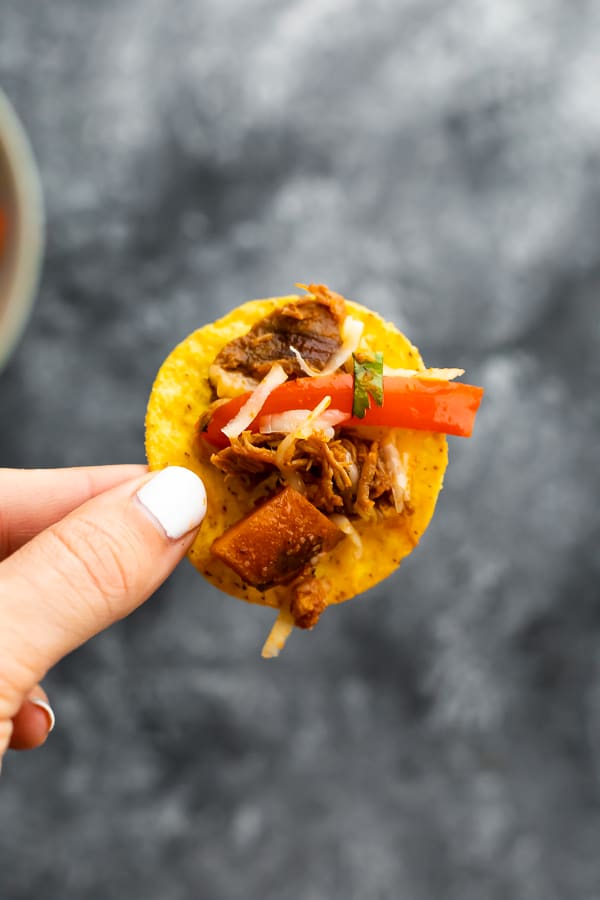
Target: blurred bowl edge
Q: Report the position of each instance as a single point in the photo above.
(30, 247)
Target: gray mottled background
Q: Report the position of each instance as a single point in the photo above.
(439, 162)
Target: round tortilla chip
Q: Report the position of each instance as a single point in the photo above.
(181, 393)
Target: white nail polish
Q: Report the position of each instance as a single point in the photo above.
(176, 499)
(47, 709)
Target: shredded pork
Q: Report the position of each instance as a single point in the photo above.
(309, 599)
(323, 469)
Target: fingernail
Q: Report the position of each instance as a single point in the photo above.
(47, 709)
(176, 499)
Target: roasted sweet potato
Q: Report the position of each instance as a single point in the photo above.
(272, 544)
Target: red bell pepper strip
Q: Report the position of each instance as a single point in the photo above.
(427, 404)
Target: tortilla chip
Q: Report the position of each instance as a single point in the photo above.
(181, 392)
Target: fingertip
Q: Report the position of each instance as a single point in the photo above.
(45, 706)
(175, 500)
(32, 725)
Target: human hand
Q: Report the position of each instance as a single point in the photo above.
(79, 549)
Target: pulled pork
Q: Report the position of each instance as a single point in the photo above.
(323, 472)
(309, 599)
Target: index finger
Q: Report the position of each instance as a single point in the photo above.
(33, 499)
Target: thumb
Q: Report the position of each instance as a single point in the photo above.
(90, 569)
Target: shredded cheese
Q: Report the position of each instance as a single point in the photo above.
(439, 374)
(398, 472)
(351, 332)
(308, 370)
(253, 405)
(304, 430)
(345, 525)
(292, 419)
(280, 632)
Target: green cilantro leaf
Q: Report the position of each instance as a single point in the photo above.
(368, 382)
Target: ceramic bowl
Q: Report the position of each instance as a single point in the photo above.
(21, 229)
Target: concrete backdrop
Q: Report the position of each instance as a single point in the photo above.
(440, 737)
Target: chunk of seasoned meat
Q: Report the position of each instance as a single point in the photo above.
(364, 504)
(245, 456)
(322, 489)
(309, 599)
(310, 325)
(274, 542)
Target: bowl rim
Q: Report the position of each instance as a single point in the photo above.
(30, 246)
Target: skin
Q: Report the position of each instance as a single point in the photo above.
(77, 552)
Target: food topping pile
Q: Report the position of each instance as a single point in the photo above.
(305, 420)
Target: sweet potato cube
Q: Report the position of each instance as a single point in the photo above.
(274, 542)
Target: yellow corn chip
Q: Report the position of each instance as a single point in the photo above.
(181, 393)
